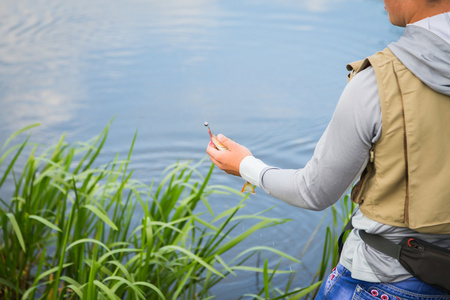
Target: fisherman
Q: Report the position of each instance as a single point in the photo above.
(391, 132)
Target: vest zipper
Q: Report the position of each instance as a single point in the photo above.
(405, 153)
(358, 188)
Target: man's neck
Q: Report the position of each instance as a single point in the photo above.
(427, 11)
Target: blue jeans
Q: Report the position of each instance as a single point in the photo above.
(341, 286)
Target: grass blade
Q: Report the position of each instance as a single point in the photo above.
(266, 280)
(16, 230)
(45, 222)
(101, 215)
(154, 288)
(193, 256)
(18, 132)
(106, 290)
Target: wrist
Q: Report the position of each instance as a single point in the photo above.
(250, 169)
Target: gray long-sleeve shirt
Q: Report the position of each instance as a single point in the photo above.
(339, 158)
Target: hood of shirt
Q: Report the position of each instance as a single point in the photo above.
(426, 55)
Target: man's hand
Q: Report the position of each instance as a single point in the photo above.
(230, 160)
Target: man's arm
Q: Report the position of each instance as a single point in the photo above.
(340, 155)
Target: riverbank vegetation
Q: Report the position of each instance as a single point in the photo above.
(70, 229)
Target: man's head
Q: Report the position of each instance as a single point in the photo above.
(403, 12)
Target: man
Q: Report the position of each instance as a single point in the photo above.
(390, 129)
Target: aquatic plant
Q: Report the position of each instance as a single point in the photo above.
(330, 253)
(74, 230)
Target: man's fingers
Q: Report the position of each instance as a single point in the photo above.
(210, 149)
(228, 161)
(213, 160)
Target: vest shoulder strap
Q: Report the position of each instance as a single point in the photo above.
(356, 67)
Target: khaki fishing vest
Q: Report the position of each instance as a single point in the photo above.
(407, 180)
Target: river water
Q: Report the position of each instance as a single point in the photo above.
(266, 73)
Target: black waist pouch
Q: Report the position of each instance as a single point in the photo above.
(423, 260)
(428, 262)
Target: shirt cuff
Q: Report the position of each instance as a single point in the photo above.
(250, 169)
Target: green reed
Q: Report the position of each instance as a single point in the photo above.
(75, 230)
(330, 253)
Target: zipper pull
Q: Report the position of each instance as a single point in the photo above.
(415, 244)
(371, 155)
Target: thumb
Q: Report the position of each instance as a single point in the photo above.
(227, 142)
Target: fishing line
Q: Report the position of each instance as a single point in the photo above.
(200, 108)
